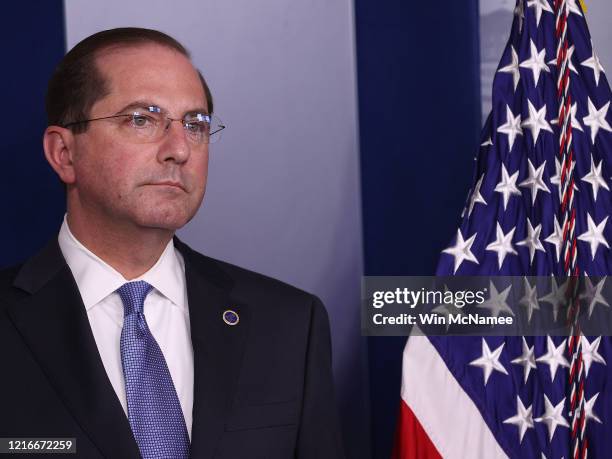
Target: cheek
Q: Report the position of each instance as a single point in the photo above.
(104, 170)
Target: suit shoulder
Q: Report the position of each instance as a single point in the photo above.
(7, 290)
(250, 284)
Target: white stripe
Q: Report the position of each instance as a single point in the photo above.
(446, 413)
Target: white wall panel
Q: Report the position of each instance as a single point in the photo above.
(283, 194)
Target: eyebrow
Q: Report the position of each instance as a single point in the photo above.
(144, 104)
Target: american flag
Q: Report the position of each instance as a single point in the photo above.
(509, 396)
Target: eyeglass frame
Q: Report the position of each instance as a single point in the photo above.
(154, 109)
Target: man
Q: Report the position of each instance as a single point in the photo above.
(118, 334)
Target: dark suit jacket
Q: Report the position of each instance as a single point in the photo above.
(262, 388)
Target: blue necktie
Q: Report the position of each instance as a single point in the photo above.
(154, 410)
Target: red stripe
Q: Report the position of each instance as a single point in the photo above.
(411, 441)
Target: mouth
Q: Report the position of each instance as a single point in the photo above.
(168, 184)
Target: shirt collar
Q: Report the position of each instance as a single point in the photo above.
(96, 279)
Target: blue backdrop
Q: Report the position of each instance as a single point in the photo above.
(419, 114)
(33, 203)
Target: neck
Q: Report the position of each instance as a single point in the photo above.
(129, 249)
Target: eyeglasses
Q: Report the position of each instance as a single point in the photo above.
(150, 124)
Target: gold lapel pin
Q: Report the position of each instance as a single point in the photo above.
(231, 317)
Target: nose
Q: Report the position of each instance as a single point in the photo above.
(175, 145)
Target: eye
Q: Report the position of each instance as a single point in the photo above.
(197, 127)
(139, 120)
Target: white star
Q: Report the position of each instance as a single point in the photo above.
(502, 244)
(554, 357)
(570, 53)
(536, 121)
(589, 406)
(594, 63)
(497, 301)
(593, 294)
(590, 353)
(489, 361)
(523, 418)
(552, 416)
(486, 143)
(519, 11)
(556, 179)
(507, 186)
(447, 309)
(476, 197)
(536, 62)
(596, 119)
(594, 235)
(527, 359)
(513, 68)
(594, 177)
(540, 5)
(512, 127)
(575, 123)
(530, 299)
(556, 297)
(556, 237)
(573, 7)
(532, 241)
(535, 181)
(462, 250)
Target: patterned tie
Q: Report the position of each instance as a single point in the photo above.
(154, 410)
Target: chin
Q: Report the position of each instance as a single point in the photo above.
(164, 218)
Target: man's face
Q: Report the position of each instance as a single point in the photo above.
(150, 185)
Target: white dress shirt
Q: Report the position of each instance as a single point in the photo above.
(165, 309)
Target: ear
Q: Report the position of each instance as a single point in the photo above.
(58, 143)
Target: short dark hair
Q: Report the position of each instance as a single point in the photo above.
(77, 83)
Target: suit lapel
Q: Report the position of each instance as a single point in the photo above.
(217, 347)
(53, 323)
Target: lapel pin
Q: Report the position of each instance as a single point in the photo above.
(231, 317)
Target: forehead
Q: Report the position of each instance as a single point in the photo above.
(149, 72)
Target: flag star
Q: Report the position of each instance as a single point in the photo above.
(532, 241)
(536, 121)
(489, 361)
(556, 179)
(462, 250)
(530, 299)
(575, 123)
(589, 406)
(523, 418)
(539, 5)
(535, 181)
(502, 244)
(507, 186)
(536, 62)
(594, 177)
(570, 53)
(596, 119)
(554, 357)
(594, 63)
(486, 142)
(556, 237)
(573, 7)
(552, 416)
(513, 68)
(594, 235)
(590, 353)
(527, 359)
(592, 294)
(519, 11)
(476, 197)
(497, 301)
(447, 310)
(512, 127)
(556, 297)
